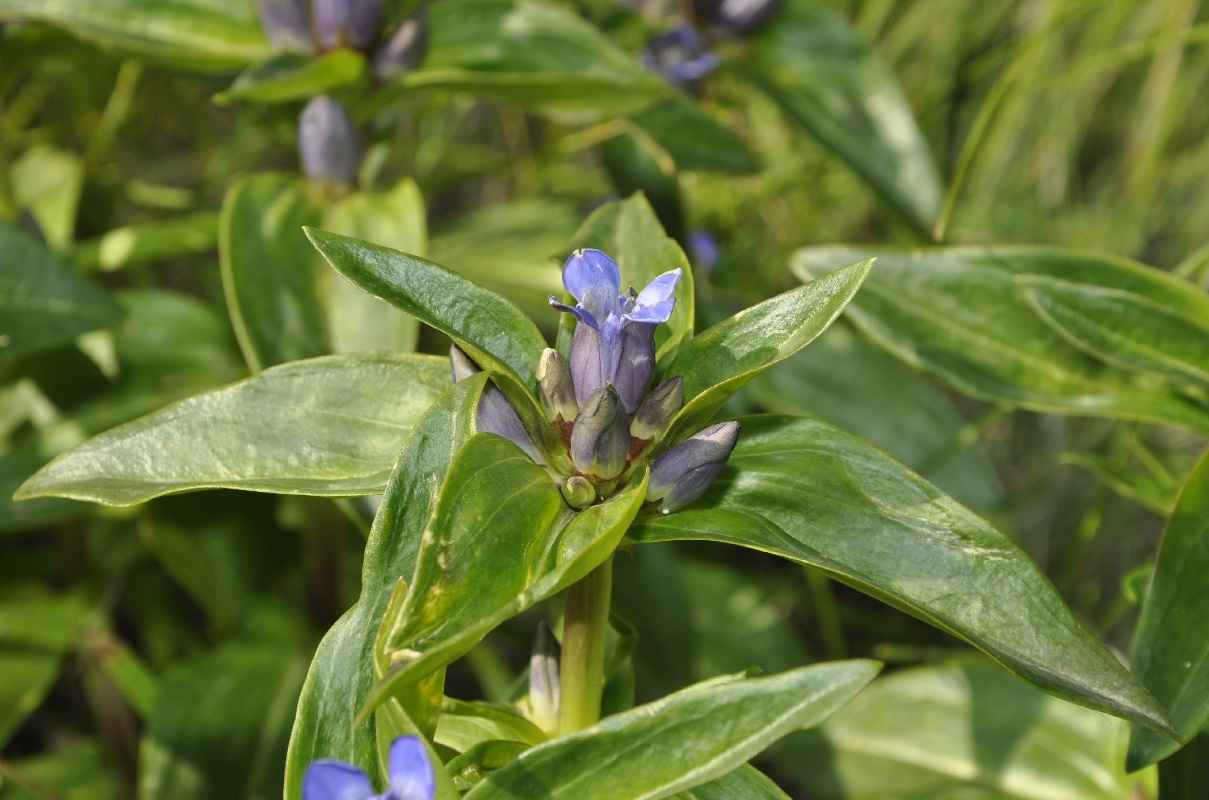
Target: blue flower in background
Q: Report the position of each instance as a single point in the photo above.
(614, 342)
(681, 56)
(410, 771)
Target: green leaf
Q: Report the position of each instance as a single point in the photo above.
(42, 302)
(718, 361)
(328, 426)
(1182, 775)
(146, 242)
(813, 494)
(1157, 494)
(1127, 329)
(536, 55)
(832, 83)
(466, 584)
(494, 332)
(342, 674)
(969, 731)
(629, 232)
(220, 726)
(82, 771)
(28, 676)
(1173, 631)
(961, 314)
(204, 35)
(48, 182)
(392, 218)
(683, 740)
(745, 783)
(463, 725)
(693, 138)
(295, 76)
(270, 274)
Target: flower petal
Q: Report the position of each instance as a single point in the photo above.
(656, 312)
(411, 776)
(334, 780)
(583, 315)
(659, 289)
(635, 363)
(594, 280)
(587, 367)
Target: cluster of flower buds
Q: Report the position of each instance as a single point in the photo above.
(310, 26)
(408, 768)
(597, 402)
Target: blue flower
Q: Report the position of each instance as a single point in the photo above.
(614, 342)
(680, 56)
(410, 771)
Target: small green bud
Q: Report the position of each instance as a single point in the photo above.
(555, 388)
(600, 441)
(664, 400)
(579, 492)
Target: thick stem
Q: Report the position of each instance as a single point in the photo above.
(581, 671)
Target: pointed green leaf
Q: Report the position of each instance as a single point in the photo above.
(328, 426)
(832, 83)
(693, 138)
(466, 584)
(683, 740)
(811, 493)
(42, 302)
(1182, 775)
(961, 314)
(191, 34)
(270, 274)
(28, 677)
(629, 232)
(1172, 640)
(295, 76)
(718, 361)
(537, 55)
(1127, 329)
(342, 672)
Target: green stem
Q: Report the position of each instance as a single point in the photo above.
(581, 670)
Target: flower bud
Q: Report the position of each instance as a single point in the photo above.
(555, 388)
(600, 441)
(635, 363)
(578, 492)
(682, 474)
(285, 24)
(328, 142)
(495, 413)
(664, 400)
(741, 17)
(404, 50)
(543, 678)
(346, 22)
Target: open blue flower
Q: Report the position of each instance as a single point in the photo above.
(614, 342)
(410, 771)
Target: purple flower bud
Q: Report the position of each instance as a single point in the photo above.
(578, 492)
(495, 413)
(741, 17)
(404, 50)
(600, 441)
(346, 22)
(614, 341)
(328, 142)
(285, 24)
(705, 250)
(555, 388)
(682, 474)
(410, 771)
(680, 56)
(543, 677)
(657, 408)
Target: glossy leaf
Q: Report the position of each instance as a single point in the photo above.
(961, 314)
(392, 218)
(466, 584)
(221, 724)
(1173, 631)
(1125, 328)
(341, 674)
(1182, 775)
(693, 138)
(42, 302)
(969, 731)
(296, 76)
(683, 740)
(328, 426)
(270, 273)
(494, 332)
(629, 231)
(536, 55)
(745, 783)
(717, 362)
(207, 35)
(813, 494)
(832, 83)
(464, 725)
